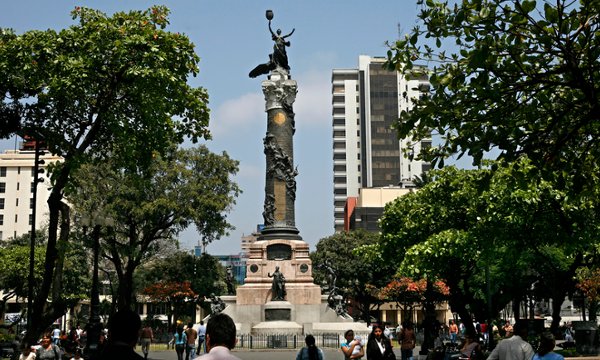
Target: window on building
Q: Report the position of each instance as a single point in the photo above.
(30, 219)
(1, 219)
(1, 203)
(17, 202)
(32, 186)
(18, 186)
(2, 171)
(16, 218)
(31, 203)
(2, 187)
(18, 170)
(1, 238)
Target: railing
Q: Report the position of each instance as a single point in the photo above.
(277, 341)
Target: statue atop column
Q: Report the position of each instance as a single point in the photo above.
(280, 177)
(278, 59)
(278, 287)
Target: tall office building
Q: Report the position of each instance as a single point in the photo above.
(16, 189)
(366, 150)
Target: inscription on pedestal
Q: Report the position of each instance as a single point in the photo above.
(279, 252)
(278, 314)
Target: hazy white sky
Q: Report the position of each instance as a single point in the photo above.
(231, 38)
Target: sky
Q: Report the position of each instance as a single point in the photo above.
(231, 38)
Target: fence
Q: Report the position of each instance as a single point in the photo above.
(278, 341)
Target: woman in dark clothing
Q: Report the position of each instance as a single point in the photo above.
(379, 346)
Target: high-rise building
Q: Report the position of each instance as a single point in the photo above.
(366, 150)
(16, 190)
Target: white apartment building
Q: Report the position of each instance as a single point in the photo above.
(366, 151)
(16, 192)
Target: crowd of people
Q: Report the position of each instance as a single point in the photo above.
(216, 339)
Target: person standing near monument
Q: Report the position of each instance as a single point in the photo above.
(350, 345)
(220, 338)
(310, 351)
(278, 287)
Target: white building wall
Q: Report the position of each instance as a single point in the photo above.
(15, 215)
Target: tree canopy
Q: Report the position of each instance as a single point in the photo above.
(107, 86)
(472, 228)
(357, 278)
(515, 75)
(152, 206)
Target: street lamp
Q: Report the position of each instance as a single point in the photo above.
(94, 325)
(36, 179)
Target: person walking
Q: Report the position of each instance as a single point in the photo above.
(547, 344)
(179, 341)
(379, 346)
(48, 351)
(310, 351)
(190, 346)
(201, 330)
(513, 348)
(407, 340)
(146, 337)
(220, 338)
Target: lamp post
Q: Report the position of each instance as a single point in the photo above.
(94, 326)
(36, 180)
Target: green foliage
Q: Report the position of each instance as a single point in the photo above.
(150, 206)
(108, 87)
(467, 223)
(201, 274)
(14, 269)
(522, 80)
(357, 277)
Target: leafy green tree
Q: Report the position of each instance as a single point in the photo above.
(478, 227)
(515, 75)
(152, 206)
(202, 273)
(108, 86)
(358, 278)
(14, 272)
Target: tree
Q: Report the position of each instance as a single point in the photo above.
(108, 86)
(152, 205)
(358, 278)
(408, 292)
(175, 294)
(516, 75)
(201, 273)
(475, 228)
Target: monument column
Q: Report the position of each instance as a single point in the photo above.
(280, 183)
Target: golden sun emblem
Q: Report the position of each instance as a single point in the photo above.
(279, 118)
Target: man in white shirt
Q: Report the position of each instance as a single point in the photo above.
(513, 348)
(201, 330)
(220, 338)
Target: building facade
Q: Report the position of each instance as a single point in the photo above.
(366, 151)
(16, 192)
